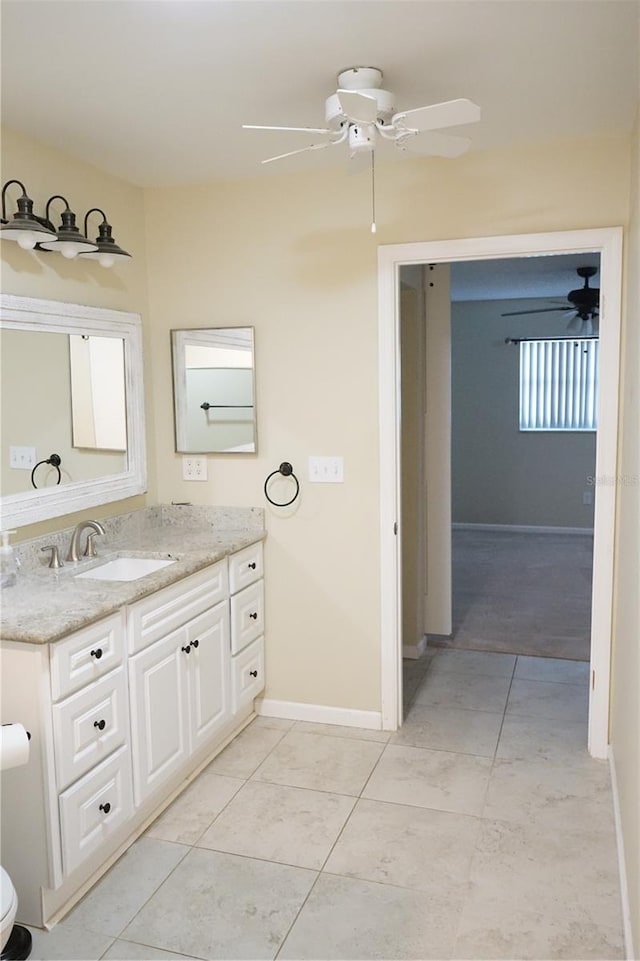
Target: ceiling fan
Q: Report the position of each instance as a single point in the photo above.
(584, 302)
(361, 114)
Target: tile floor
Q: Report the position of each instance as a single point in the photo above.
(481, 830)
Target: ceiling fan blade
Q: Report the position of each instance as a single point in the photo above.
(435, 144)
(543, 310)
(359, 107)
(254, 126)
(451, 113)
(291, 153)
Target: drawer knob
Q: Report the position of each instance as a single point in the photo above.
(254, 615)
(187, 649)
(97, 653)
(253, 673)
(100, 725)
(252, 565)
(105, 807)
(195, 643)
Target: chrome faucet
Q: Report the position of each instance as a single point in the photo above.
(90, 551)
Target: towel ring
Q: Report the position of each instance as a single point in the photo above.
(55, 460)
(287, 471)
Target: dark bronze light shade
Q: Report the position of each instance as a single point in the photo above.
(25, 228)
(70, 241)
(108, 251)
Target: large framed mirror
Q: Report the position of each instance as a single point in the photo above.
(71, 385)
(214, 390)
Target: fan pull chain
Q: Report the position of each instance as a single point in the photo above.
(373, 192)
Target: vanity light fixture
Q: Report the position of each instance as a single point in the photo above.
(31, 231)
(69, 240)
(108, 251)
(25, 228)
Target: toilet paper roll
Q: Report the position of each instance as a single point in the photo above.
(14, 746)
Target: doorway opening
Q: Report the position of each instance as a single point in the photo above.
(607, 244)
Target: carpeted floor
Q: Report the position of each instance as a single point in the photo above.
(521, 593)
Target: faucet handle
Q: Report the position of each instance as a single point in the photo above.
(54, 560)
(90, 549)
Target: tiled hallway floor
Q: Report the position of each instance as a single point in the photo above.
(481, 830)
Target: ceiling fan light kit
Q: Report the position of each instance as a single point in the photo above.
(585, 301)
(362, 114)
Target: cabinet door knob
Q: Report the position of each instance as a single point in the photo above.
(100, 725)
(97, 653)
(105, 807)
(254, 615)
(253, 673)
(252, 565)
(195, 643)
(187, 649)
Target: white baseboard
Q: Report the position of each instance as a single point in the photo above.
(521, 528)
(622, 864)
(415, 651)
(320, 713)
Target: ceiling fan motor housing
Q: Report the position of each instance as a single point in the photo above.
(364, 80)
(362, 137)
(585, 299)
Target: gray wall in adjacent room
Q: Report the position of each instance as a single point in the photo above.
(502, 475)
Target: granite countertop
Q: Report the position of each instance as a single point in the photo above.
(45, 604)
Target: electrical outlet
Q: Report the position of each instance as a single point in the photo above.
(326, 470)
(587, 498)
(194, 468)
(22, 458)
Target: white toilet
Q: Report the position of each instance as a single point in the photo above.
(8, 907)
(15, 941)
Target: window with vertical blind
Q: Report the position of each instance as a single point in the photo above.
(559, 384)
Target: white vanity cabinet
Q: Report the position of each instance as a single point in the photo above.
(246, 585)
(90, 725)
(180, 697)
(123, 714)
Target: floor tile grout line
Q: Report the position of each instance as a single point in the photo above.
(504, 715)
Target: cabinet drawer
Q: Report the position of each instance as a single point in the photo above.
(248, 674)
(87, 655)
(158, 615)
(94, 807)
(89, 725)
(247, 616)
(245, 567)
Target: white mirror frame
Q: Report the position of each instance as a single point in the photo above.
(24, 313)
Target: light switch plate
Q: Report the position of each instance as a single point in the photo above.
(22, 458)
(326, 470)
(194, 468)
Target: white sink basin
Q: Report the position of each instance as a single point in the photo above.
(125, 569)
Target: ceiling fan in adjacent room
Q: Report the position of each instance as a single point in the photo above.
(363, 116)
(584, 302)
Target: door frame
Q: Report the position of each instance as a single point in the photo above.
(607, 241)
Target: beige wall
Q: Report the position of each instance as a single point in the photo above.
(49, 276)
(502, 475)
(625, 714)
(293, 256)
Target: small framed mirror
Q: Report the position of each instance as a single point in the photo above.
(214, 390)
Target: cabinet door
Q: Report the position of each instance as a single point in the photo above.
(159, 712)
(208, 673)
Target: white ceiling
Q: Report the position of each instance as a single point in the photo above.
(156, 92)
(549, 277)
